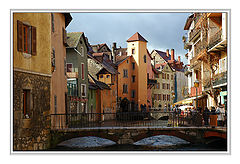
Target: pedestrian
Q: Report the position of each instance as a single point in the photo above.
(165, 108)
(206, 114)
(220, 114)
(213, 117)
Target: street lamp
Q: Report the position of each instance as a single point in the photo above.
(196, 85)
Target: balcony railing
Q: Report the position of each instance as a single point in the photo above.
(194, 33)
(72, 74)
(220, 78)
(215, 39)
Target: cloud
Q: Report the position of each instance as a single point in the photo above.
(161, 30)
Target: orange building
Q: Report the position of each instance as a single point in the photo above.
(132, 80)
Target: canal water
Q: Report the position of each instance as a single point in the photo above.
(156, 143)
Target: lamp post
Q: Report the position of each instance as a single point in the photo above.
(196, 85)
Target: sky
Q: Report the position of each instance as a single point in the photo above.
(161, 30)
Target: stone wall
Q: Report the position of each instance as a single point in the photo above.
(32, 132)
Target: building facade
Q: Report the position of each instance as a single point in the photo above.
(77, 72)
(162, 92)
(207, 57)
(59, 22)
(31, 80)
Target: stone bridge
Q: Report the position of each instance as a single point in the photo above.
(129, 135)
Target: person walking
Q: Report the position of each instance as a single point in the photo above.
(220, 115)
(213, 117)
(206, 114)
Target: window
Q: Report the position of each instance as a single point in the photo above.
(55, 104)
(133, 78)
(101, 76)
(83, 90)
(168, 86)
(133, 93)
(26, 103)
(133, 51)
(82, 51)
(159, 97)
(26, 38)
(133, 65)
(53, 60)
(65, 67)
(155, 96)
(52, 19)
(156, 75)
(69, 67)
(163, 76)
(82, 71)
(171, 77)
(125, 73)
(125, 88)
(127, 61)
(145, 59)
(167, 76)
(108, 76)
(163, 86)
(64, 35)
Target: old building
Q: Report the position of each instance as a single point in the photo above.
(31, 80)
(132, 80)
(163, 91)
(77, 72)
(160, 57)
(102, 69)
(59, 22)
(207, 57)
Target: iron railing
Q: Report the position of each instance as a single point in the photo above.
(215, 39)
(131, 119)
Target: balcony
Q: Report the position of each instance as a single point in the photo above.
(187, 45)
(214, 41)
(193, 90)
(72, 74)
(220, 79)
(194, 34)
(187, 71)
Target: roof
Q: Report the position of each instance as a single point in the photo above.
(99, 46)
(73, 39)
(120, 59)
(163, 55)
(68, 18)
(105, 63)
(136, 37)
(188, 22)
(97, 84)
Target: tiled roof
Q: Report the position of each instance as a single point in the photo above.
(97, 84)
(163, 55)
(136, 37)
(73, 39)
(120, 59)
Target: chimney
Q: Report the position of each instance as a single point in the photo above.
(172, 54)
(167, 51)
(113, 52)
(179, 58)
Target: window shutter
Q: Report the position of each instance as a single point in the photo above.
(19, 36)
(34, 40)
(64, 36)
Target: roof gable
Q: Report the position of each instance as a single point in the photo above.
(136, 37)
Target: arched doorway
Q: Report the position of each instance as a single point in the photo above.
(124, 105)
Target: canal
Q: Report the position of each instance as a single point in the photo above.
(156, 143)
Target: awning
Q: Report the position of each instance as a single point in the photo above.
(188, 100)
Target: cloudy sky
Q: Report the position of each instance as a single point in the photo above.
(161, 30)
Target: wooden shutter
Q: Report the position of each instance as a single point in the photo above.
(19, 36)
(64, 36)
(34, 40)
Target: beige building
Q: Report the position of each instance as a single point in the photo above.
(162, 92)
